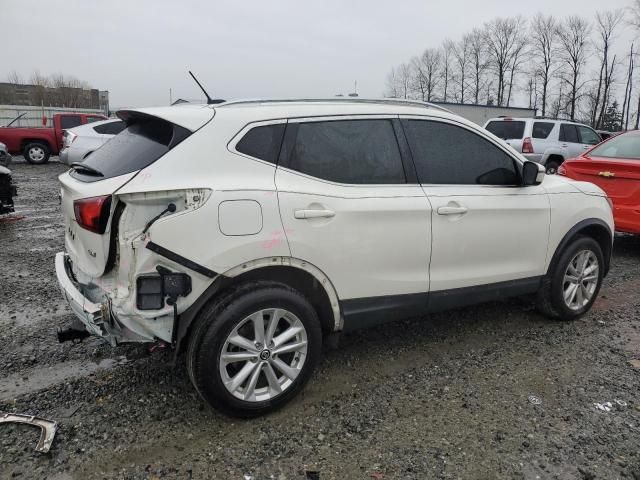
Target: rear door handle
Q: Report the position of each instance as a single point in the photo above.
(314, 213)
(452, 210)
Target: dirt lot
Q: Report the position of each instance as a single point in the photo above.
(444, 397)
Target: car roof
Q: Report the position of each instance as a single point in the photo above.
(192, 116)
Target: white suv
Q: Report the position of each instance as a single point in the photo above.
(249, 231)
(548, 142)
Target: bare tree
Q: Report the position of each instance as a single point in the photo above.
(628, 89)
(393, 87)
(447, 59)
(503, 38)
(572, 35)
(544, 36)
(426, 70)
(462, 59)
(15, 78)
(478, 63)
(520, 53)
(606, 24)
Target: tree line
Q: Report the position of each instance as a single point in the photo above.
(55, 89)
(565, 68)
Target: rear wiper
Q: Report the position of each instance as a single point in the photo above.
(86, 168)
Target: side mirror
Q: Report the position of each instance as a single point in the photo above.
(532, 174)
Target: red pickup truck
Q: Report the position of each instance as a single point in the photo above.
(38, 143)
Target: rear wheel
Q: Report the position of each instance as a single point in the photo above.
(254, 349)
(572, 286)
(36, 153)
(552, 166)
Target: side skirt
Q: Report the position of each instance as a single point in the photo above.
(368, 312)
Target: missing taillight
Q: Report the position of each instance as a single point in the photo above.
(93, 213)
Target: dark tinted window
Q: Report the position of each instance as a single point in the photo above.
(588, 136)
(348, 151)
(262, 142)
(569, 133)
(623, 146)
(111, 128)
(136, 147)
(448, 154)
(69, 121)
(541, 129)
(506, 129)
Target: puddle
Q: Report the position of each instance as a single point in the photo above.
(32, 380)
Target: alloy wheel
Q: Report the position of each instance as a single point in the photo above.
(263, 355)
(36, 154)
(580, 279)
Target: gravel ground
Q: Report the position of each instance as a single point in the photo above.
(447, 396)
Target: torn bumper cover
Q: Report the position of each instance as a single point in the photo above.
(48, 428)
(93, 316)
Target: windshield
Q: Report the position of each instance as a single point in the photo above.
(623, 146)
(506, 129)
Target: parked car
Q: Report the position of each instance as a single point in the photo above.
(79, 142)
(547, 142)
(5, 157)
(7, 191)
(614, 166)
(250, 231)
(37, 144)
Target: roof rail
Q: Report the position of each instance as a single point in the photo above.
(388, 101)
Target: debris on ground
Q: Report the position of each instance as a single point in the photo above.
(47, 428)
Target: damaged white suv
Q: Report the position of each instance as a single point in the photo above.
(249, 231)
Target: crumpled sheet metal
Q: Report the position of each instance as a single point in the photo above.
(48, 428)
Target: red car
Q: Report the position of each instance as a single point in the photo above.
(613, 165)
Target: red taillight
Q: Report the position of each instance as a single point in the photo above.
(93, 213)
(527, 146)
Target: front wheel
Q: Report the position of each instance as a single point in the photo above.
(36, 153)
(552, 167)
(254, 349)
(573, 283)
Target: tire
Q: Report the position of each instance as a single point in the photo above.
(36, 153)
(228, 317)
(552, 167)
(551, 296)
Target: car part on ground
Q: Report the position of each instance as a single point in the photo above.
(311, 218)
(5, 157)
(48, 428)
(7, 191)
(546, 141)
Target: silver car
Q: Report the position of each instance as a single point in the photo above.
(545, 141)
(79, 142)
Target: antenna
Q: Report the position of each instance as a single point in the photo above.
(210, 101)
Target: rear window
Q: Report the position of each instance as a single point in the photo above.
(144, 141)
(623, 146)
(506, 129)
(111, 128)
(70, 121)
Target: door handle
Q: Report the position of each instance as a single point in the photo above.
(452, 210)
(313, 213)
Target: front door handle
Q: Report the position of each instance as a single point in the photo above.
(452, 210)
(314, 213)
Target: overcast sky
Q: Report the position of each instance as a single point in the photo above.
(138, 49)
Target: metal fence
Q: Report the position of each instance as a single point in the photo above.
(36, 116)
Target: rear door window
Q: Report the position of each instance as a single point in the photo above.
(70, 121)
(569, 133)
(542, 130)
(262, 142)
(347, 151)
(506, 129)
(140, 144)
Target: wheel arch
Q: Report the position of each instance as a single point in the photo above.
(298, 274)
(591, 227)
(29, 140)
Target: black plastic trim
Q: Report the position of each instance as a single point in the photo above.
(368, 312)
(589, 222)
(174, 257)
